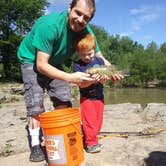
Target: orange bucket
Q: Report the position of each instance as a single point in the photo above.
(63, 136)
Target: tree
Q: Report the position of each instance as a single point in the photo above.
(16, 19)
(163, 48)
(161, 63)
(103, 39)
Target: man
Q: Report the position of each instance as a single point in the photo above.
(42, 53)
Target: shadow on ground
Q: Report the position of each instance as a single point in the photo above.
(156, 158)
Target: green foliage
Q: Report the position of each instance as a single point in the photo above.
(16, 19)
(163, 48)
(103, 40)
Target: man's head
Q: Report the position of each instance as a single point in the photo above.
(80, 12)
(85, 45)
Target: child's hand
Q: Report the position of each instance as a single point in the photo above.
(99, 78)
(117, 77)
(103, 79)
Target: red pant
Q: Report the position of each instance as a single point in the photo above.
(92, 118)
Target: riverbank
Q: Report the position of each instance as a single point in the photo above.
(131, 150)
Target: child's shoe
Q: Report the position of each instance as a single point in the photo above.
(94, 148)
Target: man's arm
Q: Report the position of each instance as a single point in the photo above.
(50, 71)
(106, 62)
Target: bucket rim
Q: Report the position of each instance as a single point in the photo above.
(60, 123)
(59, 112)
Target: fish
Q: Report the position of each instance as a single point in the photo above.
(106, 70)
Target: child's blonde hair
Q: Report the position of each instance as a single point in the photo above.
(85, 42)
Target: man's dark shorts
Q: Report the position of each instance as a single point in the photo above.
(35, 85)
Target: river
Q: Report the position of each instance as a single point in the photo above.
(135, 95)
(141, 96)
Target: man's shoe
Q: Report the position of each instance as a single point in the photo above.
(94, 148)
(37, 154)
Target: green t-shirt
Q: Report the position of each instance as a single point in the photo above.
(51, 35)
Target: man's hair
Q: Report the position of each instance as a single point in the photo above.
(85, 42)
(90, 3)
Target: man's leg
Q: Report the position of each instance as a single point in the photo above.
(34, 129)
(37, 154)
(60, 94)
(33, 94)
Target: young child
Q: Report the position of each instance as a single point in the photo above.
(91, 94)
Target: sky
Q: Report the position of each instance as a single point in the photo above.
(143, 21)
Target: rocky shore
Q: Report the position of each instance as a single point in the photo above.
(136, 148)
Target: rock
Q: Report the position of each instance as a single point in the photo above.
(155, 112)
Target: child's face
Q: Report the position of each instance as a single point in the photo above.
(87, 55)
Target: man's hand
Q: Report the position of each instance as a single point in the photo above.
(81, 78)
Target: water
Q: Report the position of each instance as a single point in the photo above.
(141, 96)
